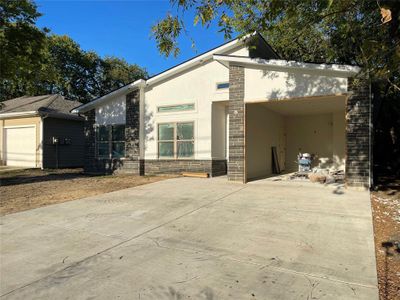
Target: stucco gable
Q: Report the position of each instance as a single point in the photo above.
(240, 47)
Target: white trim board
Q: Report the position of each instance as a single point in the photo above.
(19, 126)
(345, 70)
(18, 114)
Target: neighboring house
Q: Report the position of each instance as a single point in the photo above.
(222, 112)
(40, 132)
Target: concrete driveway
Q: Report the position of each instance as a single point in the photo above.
(188, 238)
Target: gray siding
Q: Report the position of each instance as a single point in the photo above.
(259, 48)
(69, 155)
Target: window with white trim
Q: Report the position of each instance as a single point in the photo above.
(176, 140)
(175, 108)
(110, 141)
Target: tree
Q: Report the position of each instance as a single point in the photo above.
(35, 62)
(341, 31)
(116, 73)
(22, 46)
(70, 71)
(83, 75)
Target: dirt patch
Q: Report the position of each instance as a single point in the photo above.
(31, 188)
(386, 217)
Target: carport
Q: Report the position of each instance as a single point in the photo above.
(297, 107)
(313, 125)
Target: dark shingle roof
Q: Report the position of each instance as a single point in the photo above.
(50, 103)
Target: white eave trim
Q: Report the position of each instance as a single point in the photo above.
(18, 114)
(120, 91)
(198, 60)
(344, 70)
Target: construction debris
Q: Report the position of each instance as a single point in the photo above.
(317, 178)
(195, 174)
(325, 176)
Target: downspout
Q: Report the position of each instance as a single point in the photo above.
(41, 144)
(2, 158)
(45, 116)
(371, 137)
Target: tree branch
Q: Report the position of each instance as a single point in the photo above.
(393, 84)
(321, 18)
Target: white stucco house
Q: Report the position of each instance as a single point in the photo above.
(222, 112)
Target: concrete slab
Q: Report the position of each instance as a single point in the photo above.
(194, 238)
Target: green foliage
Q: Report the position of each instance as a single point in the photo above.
(18, 11)
(166, 32)
(21, 45)
(340, 31)
(33, 62)
(116, 73)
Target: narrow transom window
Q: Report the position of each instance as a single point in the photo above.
(110, 141)
(176, 140)
(222, 85)
(176, 108)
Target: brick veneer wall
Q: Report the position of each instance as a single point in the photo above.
(166, 166)
(132, 163)
(358, 160)
(91, 163)
(90, 145)
(132, 125)
(236, 171)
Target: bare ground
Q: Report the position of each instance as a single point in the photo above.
(386, 218)
(23, 189)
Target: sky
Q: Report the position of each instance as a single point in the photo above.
(122, 29)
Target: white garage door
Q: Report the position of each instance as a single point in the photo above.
(20, 146)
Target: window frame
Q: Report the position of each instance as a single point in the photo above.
(98, 142)
(110, 142)
(177, 111)
(224, 88)
(175, 141)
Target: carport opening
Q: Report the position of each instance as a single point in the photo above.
(309, 125)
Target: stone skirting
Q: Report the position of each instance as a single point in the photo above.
(358, 165)
(111, 166)
(164, 166)
(157, 166)
(218, 167)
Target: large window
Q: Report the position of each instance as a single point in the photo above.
(176, 140)
(110, 141)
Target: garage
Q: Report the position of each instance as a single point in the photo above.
(20, 146)
(40, 132)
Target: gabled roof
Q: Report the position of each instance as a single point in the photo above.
(55, 105)
(199, 59)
